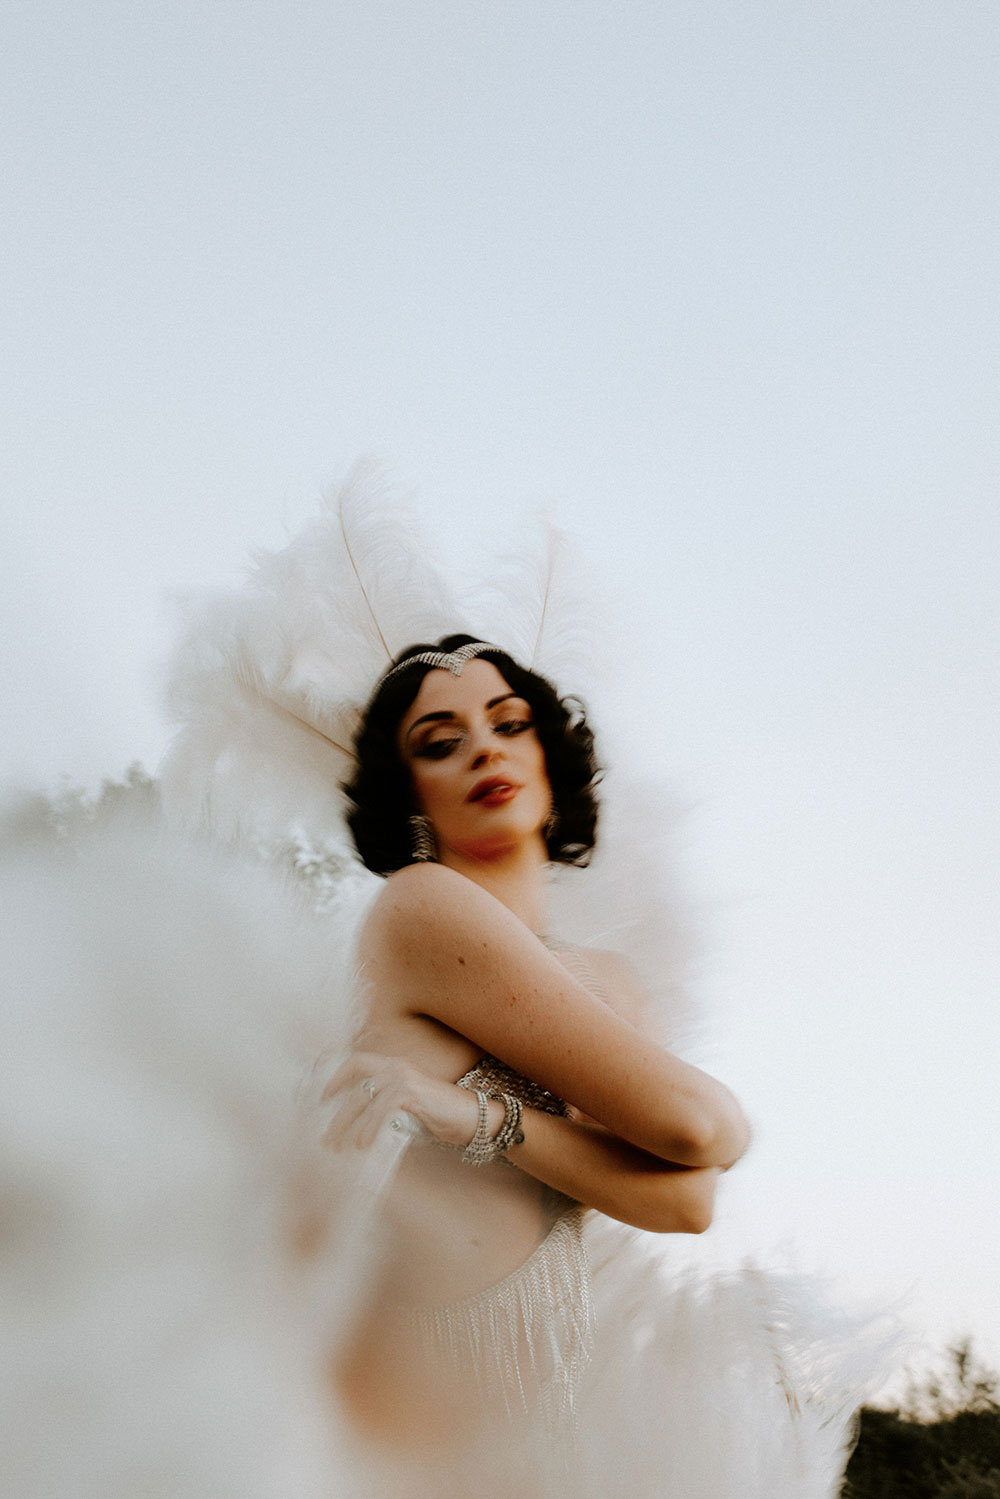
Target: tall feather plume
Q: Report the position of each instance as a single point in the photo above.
(268, 681)
(541, 606)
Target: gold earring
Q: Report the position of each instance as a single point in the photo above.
(422, 844)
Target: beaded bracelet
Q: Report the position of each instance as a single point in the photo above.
(510, 1132)
(480, 1148)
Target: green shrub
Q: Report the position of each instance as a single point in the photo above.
(942, 1443)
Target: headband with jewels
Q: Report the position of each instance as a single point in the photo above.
(454, 661)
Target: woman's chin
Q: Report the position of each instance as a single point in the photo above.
(497, 845)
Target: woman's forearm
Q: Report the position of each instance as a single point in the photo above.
(587, 1163)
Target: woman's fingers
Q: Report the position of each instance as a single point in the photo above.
(351, 1108)
(360, 1067)
(343, 1120)
(368, 1091)
(375, 1118)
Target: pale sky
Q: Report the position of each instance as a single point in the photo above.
(716, 284)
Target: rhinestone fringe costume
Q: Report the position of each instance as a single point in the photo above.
(528, 1339)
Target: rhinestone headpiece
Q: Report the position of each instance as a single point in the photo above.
(453, 661)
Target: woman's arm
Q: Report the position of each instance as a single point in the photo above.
(444, 948)
(580, 1159)
(588, 1164)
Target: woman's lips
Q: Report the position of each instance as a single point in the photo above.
(494, 793)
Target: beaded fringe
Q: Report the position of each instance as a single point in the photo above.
(527, 1341)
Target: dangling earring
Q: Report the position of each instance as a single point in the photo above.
(422, 844)
(550, 825)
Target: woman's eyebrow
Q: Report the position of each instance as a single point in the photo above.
(429, 718)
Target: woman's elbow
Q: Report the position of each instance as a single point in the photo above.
(697, 1214)
(685, 1204)
(710, 1141)
(672, 1220)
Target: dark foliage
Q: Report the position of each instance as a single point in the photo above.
(944, 1443)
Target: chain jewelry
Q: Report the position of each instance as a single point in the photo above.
(510, 1132)
(482, 1149)
(453, 661)
(479, 1150)
(368, 1086)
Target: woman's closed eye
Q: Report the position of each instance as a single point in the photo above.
(439, 744)
(439, 748)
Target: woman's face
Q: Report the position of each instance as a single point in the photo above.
(475, 762)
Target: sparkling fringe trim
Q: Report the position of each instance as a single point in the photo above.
(526, 1341)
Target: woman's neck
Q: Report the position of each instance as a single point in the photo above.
(516, 880)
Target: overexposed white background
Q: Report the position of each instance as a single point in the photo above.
(714, 282)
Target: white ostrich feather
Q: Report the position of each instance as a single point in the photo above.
(540, 605)
(161, 1002)
(268, 681)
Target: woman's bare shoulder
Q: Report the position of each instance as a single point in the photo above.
(417, 888)
(421, 899)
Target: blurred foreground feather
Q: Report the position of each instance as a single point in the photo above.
(162, 1336)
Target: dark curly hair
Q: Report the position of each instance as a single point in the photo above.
(381, 794)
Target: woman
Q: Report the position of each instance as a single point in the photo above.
(463, 747)
(513, 1328)
(518, 1328)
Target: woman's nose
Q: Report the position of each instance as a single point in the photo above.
(483, 751)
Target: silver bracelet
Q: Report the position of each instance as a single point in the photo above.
(480, 1148)
(510, 1132)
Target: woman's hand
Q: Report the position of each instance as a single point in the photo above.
(370, 1089)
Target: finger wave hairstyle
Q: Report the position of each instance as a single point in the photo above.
(381, 794)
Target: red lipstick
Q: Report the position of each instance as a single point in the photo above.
(494, 791)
